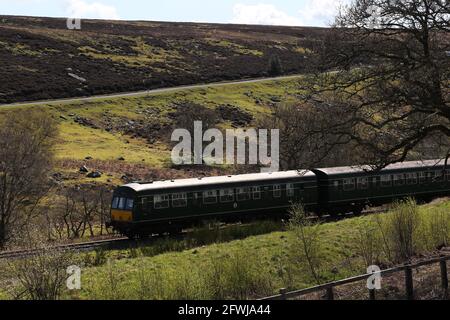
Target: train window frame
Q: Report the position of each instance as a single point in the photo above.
(116, 201)
(401, 181)
(230, 194)
(411, 178)
(290, 190)
(256, 192)
(179, 200)
(349, 186)
(422, 177)
(386, 181)
(246, 193)
(160, 199)
(363, 183)
(210, 194)
(122, 203)
(276, 191)
(129, 207)
(439, 176)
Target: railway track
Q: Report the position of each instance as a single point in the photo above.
(125, 243)
(84, 246)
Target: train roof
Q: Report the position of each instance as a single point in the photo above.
(393, 167)
(207, 181)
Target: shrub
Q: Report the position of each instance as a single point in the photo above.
(439, 229)
(306, 249)
(403, 226)
(241, 275)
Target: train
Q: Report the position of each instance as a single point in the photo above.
(142, 209)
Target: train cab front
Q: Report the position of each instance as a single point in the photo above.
(122, 211)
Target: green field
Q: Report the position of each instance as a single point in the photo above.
(253, 267)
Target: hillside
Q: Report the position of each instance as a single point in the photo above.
(129, 138)
(42, 59)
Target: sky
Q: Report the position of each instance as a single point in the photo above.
(268, 12)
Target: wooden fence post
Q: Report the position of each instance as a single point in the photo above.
(330, 293)
(444, 277)
(409, 283)
(283, 293)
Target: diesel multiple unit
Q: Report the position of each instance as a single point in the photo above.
(143, 209)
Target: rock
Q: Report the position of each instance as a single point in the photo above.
(84, 169)
(121, 159)
(58, 176)
(94, 175)
(88, 158)
(63, 117)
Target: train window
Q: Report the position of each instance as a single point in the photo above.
(179, 200)
(438, 176)
(243, 194)
(277, 191)
(122, 202)
(422, 177)
(349, 184)
(290, 191)
(399, 180)
(227, 195)
(256, 193)
(130, 204)
(411, 178)
(363, 183)
(336, 184)
(162, 201)
(210, 197)
(115, 203)
(386, 181)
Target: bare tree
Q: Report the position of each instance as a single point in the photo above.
(386, 68)
(42, 275)
(25, 162)
(304, 138)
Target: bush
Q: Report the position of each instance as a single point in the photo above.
(439, 229)
(403, 226)
(240, 275)
(368, 244)
(306, 249)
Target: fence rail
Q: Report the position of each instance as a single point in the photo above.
(408, 273)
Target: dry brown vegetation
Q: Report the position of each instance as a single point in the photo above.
(38, 54)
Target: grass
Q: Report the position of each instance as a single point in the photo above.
(252, 267)
(78, 142)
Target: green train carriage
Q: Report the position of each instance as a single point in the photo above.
(142, 209)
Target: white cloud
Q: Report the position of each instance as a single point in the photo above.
(320, 12)
(266, 14)
(92, 10)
